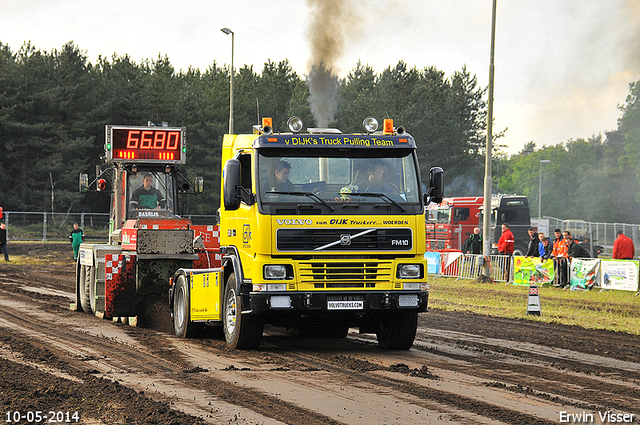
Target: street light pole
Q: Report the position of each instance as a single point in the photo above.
(228, 31)
(546, 161)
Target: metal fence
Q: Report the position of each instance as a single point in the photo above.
(603, 234)
(46, 226)
(469, 266)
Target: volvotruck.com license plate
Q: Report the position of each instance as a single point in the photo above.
(345, 305)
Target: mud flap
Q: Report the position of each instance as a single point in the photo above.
(120, 285)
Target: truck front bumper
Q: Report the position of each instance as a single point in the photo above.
(339, 302)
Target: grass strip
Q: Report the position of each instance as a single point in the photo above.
(594, 309)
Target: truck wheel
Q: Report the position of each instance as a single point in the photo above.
(397, 330)
(83, 290)
(182, 324)
(519, 251)
(241, 332)
(91, 283)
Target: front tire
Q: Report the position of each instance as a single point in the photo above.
(397, 330)
(182, 324)
(242, 332)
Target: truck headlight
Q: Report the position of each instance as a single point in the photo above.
(412, 286)
(278, 271)
(409, 271)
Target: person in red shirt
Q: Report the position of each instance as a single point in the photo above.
(505, 247)
(506, 241)
(623, 248)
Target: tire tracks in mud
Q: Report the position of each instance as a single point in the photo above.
(119, 357)
(453, 376)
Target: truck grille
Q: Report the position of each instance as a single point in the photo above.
(357, 274)
(341, 239)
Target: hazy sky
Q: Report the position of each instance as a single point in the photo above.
(562, 67)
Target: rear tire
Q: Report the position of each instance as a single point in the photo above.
(91, 283)
(83, 290)
(397, 330)
(182, 324)
(242, 332)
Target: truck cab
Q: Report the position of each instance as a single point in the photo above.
(514, 211)
(450, 223)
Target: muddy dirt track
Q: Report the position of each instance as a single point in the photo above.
(466, 369)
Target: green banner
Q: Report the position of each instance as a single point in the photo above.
(583, 273)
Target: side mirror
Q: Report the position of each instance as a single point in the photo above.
(198, 184)
(84, 182)
(435, 193)
(231, 178)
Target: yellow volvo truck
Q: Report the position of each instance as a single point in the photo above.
(320, 232)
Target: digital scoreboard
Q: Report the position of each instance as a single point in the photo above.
(158, 145)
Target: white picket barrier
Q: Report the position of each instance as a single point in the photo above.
(469, 266)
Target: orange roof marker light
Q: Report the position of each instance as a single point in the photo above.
(388, 126)
(267, 125)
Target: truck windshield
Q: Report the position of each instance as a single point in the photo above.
(431, 213)
(444, 214)
(150, 194)
(438, 214)
(337, 177)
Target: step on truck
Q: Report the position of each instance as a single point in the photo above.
(148, 239)
(319, 232)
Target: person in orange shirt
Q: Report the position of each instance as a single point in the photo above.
(559, 255)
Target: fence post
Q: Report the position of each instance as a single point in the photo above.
(44, 227)
(82, 220)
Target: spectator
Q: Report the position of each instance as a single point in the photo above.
(76, 237)
(474, 243)
(505, 247)
(559, 255)
(3, 241)
(574, 249)
(545, 249)
(534, 241)
(623, 248)
(506, 241)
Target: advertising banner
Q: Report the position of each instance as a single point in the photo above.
(433, 262)
(583, 273)
(619, 274)
(532, 271)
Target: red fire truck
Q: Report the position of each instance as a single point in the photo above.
(450, 223)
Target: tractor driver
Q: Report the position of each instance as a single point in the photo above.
(146, 196)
